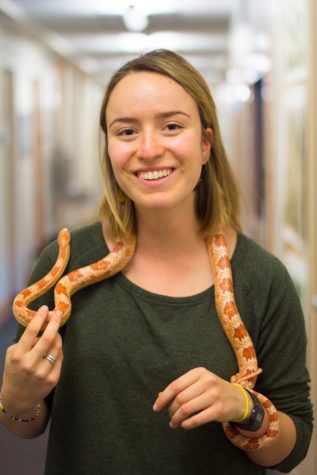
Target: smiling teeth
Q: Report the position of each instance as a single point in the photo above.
(154, 175)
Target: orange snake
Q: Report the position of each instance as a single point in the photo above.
(115, 261)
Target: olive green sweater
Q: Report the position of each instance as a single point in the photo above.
(122, 345)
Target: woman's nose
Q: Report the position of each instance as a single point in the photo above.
(150, 146)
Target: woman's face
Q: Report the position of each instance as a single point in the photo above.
(155, 141)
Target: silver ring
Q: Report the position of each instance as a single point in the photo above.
(50, 358)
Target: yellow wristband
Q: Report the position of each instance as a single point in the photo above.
(246, 401)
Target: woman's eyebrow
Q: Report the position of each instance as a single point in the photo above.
(123, 119)
(167, 114)
(161, 115)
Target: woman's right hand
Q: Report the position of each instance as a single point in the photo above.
(28, 375)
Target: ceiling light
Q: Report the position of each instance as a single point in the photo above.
(134, 19)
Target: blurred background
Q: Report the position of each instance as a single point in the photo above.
(56, 57)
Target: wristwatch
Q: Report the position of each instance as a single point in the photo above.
(256, 417)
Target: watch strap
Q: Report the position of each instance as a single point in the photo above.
(256, 417)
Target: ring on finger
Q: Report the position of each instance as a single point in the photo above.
(50, 358)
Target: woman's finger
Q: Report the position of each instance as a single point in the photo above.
(48, 338)
(56, 370)
(202, 417)
(31, 332)
(51, 368)
(54, 351)
(191, 392)
(176, 387)
(186, 410)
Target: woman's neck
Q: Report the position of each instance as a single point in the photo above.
(168, 233)
(171, 234)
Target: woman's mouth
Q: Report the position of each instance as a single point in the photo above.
(152, 175)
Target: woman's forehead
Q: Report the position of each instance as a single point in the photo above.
(149, 89)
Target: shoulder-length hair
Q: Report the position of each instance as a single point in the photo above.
(217, 196)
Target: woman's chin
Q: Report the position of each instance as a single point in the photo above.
(165, 204)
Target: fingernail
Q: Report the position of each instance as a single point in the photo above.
(155, 407)
(172, 425)
(58, 313)
(44, 308)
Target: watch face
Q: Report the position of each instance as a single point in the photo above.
(258, 418)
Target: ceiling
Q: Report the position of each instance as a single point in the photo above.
(93, 33)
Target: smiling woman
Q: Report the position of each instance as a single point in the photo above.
(191, 360)
(216, 197)
(158, 151)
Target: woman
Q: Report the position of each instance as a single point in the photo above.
(144, 352)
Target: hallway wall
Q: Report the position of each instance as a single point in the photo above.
(49, 155)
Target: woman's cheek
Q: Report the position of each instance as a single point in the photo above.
(186, 145)
(118, 154)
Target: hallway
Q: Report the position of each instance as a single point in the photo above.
(259, 59)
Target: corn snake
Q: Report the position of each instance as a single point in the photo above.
(227, 311)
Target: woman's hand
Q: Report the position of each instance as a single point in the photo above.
(198, 397)
(28, 375)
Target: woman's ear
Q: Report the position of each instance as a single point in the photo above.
(207, 143)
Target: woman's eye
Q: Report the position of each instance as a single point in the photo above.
(172, 127)
(126, 132)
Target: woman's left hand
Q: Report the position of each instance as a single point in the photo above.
(199, 397)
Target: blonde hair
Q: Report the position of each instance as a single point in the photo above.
(217, 196)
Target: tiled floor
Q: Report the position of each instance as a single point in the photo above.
(18, 456)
